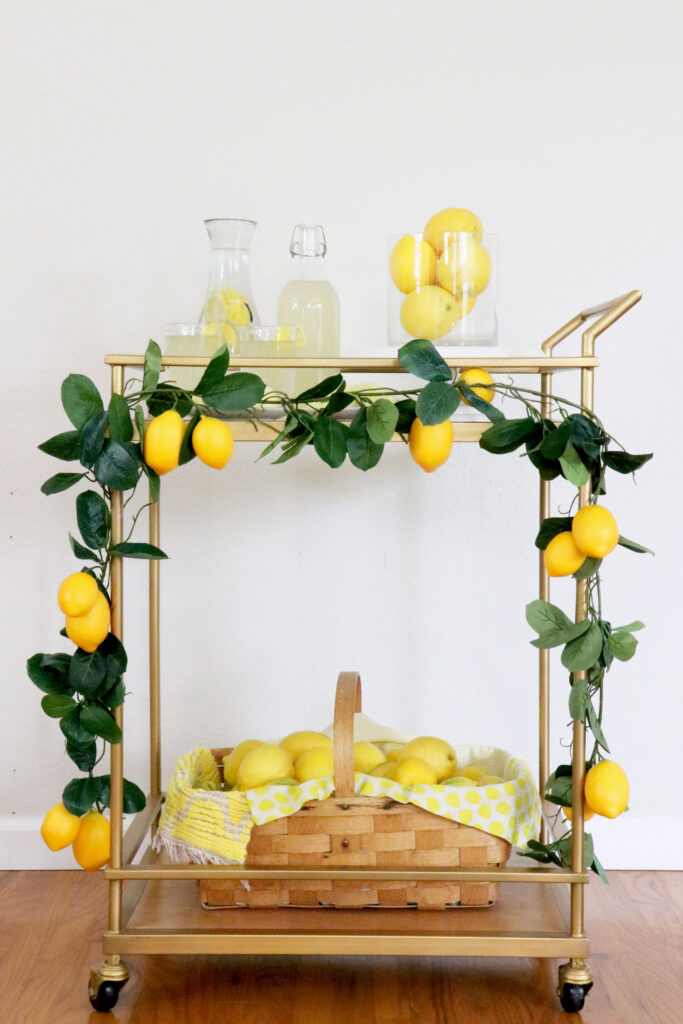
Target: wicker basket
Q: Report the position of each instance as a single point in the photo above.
(347, 830)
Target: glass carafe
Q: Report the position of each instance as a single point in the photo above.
(229, 298)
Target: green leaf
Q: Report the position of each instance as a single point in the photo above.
(595, 726)
(79, 795)
(139, 414)
(293, 447)
(61, 482)
(70, 724)
(597, 867)
(116, 467)
(154, 482)
(92, 438)
(550, 528)
(578, 700)
(120, 423)
(150, 375)
(187, 452)
(133, 797)
(57, 704)
(481, 405)
(558, 790)
(50, 672)
(66, 446)
(84, 756)
(589, 568)
(322, 390)
(215, 371)
(135, 549)
(583, 652)
(575, 429)
(560, 635)
(622, 644)
(406, 415)
(81, 399)
(363, 451)
(235, 392)
(329, 440)
(420, 358)
(548, 469)
(169, 396)
(508, 435)
(98, 721)
(633, 546)
(290, 423)
(94, 520)
(573, 468)
(381, 420)
(81, 552)
(87, 671)
(632, 627)
(117, 660)
(624, 462)
(436, 403)
(338, 401)
(544, 617)
(114, 696)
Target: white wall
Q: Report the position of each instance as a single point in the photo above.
(123, 129)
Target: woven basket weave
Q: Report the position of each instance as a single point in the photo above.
(346, 831)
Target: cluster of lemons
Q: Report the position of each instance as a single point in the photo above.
(211, 440)
(89, 836)
(86, 610)
(441, 272)
(594, 534)
(431, 446)
(306, 755)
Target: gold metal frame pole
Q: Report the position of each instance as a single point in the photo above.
(116, 762)
(154, 658)
(544, 655)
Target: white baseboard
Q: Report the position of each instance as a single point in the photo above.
(628, 843)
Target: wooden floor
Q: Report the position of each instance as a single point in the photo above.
(51, 925)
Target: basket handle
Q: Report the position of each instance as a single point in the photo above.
(347, 702)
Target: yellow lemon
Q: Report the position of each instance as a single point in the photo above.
(458, 780)
(474, 378)
(587, 812)
(595, 531)
(366, 756)
(606, 789)
(382, 769)
(91, 845)
(473, 772)
(430, 446)
(77, 593)
(562, 557)
(89, 630)
(464, 268)
(163, 438)
(262, 764)
(314, 763)
(284, 782)
(60, 827)
(388, 747)
(220, 334)
(232, 761)
(412, 771)
(429, 312)
(489, 780)
(297, 742)
(226, 305)
(212, 442)
(412, 263)
(436, 752)
(440, 228)
(395, 752)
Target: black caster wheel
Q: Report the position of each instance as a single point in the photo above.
(572, 997)
(106, 997)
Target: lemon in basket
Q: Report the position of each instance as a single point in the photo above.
(315, 763)
(261, 765)
(473, 772)
(297, 742)
(490, 780)
(410, 771)
(382, 770)
(436, 752)
(395, 752)
(366, 756)
(233, 760)
(457, 780)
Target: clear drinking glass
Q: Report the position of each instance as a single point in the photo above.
(197, 340)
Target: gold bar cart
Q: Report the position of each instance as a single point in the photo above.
(548, 918)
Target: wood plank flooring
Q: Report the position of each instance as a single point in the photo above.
(51, 925)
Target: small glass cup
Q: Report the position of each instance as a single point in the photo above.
(197, 340)
(449, 298)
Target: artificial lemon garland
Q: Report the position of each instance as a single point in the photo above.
(83, 689)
